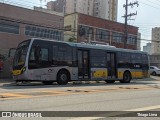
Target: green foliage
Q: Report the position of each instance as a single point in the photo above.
(72, 39)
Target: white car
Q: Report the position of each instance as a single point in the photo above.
(154, 70)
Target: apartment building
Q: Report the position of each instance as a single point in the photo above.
(106, 9)
(139, 41)
(58, 5)
(147, 48)
(155, 47)
(155, 60)
(85, 28)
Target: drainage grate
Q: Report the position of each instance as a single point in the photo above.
(78, 91)
(3, 96)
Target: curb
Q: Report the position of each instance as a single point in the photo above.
(6, 80)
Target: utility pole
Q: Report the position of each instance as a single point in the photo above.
(126, 19)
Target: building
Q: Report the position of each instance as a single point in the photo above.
(155, 40)
(58, 5)
(147, 48)
(155, 60)
(139, 41)
(106, 9)
(85, 28)
(40, 9)
(18, 24)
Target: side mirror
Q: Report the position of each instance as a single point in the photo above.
(37, 53)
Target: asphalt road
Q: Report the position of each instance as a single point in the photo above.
(139, 95)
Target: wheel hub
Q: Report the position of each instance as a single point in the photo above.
(63, 77)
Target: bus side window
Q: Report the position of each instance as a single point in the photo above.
(136, 60)
(124, 60)
(44, 54)
(40, 60)
(98, 59)
(62, 55)
(145, 65)
(55, 52)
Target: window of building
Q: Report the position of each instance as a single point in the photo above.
(117, 37)
(131, 40)
(43, 32)
(88, 31)
(102, 34)
(9, 27)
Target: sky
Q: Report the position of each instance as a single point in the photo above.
(148, 14)
(148, 17)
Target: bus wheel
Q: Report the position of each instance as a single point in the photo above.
(47, 82)
(62, 77)
(110, 81)
(126, 77)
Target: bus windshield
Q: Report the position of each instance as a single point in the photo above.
(20, 55)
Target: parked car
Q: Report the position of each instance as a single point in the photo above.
(154, 70)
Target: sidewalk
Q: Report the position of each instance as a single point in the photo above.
(155, 77)
(6, 80)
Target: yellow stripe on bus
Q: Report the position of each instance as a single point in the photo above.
(100, 73)
(135, 74)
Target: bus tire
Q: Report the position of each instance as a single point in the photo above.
(47, 82)
(110, 81)
(126, 77)
(63, 77)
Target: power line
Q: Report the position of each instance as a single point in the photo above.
(30, 6)
(158, 0)
(153, 2)
(149, 5)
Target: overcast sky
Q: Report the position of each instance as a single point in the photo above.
(148, 14)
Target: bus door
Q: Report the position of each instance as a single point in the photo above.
(111, 65)
(83, 64)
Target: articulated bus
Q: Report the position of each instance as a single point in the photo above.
(51, 61)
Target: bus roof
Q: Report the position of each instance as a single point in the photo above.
(93, 46)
